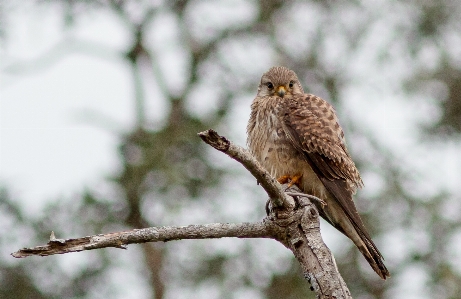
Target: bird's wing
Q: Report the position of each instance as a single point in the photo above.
(312, 127)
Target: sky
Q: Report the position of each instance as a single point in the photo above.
(59, 121)
(61, 113)
(60, 117)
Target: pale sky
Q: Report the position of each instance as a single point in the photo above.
(59, 120)
(56, 120)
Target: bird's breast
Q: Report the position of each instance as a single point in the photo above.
(270, 145)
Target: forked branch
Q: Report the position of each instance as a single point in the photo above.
(294, 223)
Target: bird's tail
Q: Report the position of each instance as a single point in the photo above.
(366, 246)
(373, 257)
(350, 224)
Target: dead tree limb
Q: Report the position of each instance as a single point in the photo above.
(301, 225)
(292, 221)
(270, 185)
(150, 234)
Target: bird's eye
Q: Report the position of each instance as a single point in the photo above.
(269, 85)
(291, 84)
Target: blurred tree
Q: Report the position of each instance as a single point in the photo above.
(205, 58)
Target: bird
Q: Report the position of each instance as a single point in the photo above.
(298, 139)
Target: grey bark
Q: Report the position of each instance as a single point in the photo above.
(293, 220)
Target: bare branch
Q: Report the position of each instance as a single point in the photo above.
(300, 227)
(272, 187)
(317, 262)
(151, 234)
(297, 226)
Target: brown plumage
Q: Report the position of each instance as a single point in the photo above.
(297, 135)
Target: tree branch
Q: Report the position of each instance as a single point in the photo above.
(151, 234)
(297, 226)
(301, 233)
(270, 185)
(317, 262)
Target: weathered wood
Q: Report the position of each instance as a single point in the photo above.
(293, 220)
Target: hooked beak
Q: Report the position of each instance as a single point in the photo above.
(281, 91)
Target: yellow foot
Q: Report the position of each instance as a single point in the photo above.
(284, 179)
(293, 180)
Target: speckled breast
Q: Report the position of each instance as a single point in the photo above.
(270, 145)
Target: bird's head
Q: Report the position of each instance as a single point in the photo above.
(279, 81)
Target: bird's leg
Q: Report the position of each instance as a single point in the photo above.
(292, 179)
(284, 179)
(295, 180)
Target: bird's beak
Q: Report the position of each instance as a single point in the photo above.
(281, 91)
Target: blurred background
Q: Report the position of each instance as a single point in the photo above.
(101, 102)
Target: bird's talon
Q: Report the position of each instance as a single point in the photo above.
(295, 180)
(291, 180)
(284, 179)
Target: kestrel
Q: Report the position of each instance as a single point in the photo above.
(297, 138)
